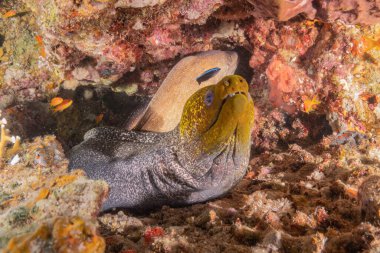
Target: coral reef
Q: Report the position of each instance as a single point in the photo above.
(66, 235)
(25, 74)
(313, 68)
(283, 10)
(38, 197)
(319, 69)
(352, 11)
(90, 42)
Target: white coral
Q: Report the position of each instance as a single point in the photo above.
(5, 139)
(138, 3)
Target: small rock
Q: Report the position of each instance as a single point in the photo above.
(123, 224)
(247, 234)
(205, 218)
(369, 199)
(138, 3)
(6, 101)
(71, 84)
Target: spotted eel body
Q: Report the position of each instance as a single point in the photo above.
(201, 159)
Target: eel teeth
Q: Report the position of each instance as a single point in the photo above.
(238, 92)
(233, 94)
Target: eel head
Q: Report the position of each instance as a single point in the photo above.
(215, 114)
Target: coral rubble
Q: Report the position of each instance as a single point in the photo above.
(66, 235)
(5, 139)
(38, 196)
(297, 200)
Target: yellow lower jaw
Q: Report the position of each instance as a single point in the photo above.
(239, 104)
(231, 117)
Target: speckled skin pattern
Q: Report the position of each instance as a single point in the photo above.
(203, 158)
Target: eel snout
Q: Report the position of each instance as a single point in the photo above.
(236, 88)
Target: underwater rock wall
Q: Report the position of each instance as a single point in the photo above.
(302, 62)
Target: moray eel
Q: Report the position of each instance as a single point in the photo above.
(201, 159)
(162, 114)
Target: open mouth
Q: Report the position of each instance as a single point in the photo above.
(232, 95)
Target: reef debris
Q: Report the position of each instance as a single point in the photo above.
(38, 197)
(5, 139)
(293, 203)
(66, 235)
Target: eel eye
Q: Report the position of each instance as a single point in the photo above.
(227, 83)
(209, 97)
